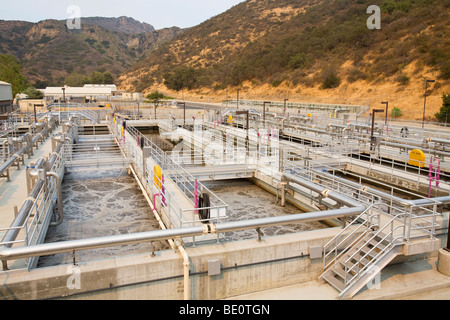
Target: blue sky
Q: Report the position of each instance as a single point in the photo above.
(159, 13)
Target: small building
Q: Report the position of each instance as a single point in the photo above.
(132, 96)
(6, 98)
(28, 105)
(89, 92)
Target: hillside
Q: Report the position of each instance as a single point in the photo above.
(121, 24)
(291, 48)
(49, 51)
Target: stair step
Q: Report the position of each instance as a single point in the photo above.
(376, 243)
(336, 283)
(370, 253)
(339, 271)
(351, 264)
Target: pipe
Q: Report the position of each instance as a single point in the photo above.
(117, 240)
(349, 202)
(285, 220)
(401, 201)
(12, 159)
(183, 253)
(21, 217)
(19, 221)
(59, 199)
(409, 147)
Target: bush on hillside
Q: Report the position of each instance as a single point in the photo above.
(330, 78)
(444, 113)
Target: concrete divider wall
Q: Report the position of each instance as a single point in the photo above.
(246, 266)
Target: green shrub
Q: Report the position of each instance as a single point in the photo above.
(182, 77)
(276, 83)
(299, 61)
(330, 79)
(155, 95)
(403, 79)
(396, 113)
(444, 114)
(355, 74)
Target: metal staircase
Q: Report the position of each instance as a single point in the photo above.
(65, 110)
(357, 254)
(370, 242)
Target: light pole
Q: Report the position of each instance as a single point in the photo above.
(425, 102)
(264, 111)
(238, 97)
(372, 142)
(285, 100)
(184, 108)
(64, 94)
(247, 141)
(387, 108)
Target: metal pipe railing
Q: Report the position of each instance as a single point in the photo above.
(102, 242)
(38, 202)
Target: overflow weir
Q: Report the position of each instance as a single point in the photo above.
(218, 203)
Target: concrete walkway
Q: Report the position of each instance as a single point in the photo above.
(14, 193)
(412, 280)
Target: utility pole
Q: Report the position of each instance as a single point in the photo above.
(184, 108)
(247, 142)
(387, 108)
(372, 142)
(284, 112)
(238, 97)
(425, 102)
(264, 111)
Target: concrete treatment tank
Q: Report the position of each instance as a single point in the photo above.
(100, 204)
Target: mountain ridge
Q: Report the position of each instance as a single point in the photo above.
(323, 47)
(49, 51)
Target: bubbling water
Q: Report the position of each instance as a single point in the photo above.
(247, 201)
(98, 204)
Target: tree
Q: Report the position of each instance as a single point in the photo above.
(156, 95)
(33, 93)
(396, 113)
(298, 61)
(444, 114)
(76, 80)
(330, 78)
(11, 72)
(182, 77)
(108, 78)
(97, 78)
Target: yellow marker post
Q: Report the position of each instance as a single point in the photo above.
(157, 177)
(417, 158)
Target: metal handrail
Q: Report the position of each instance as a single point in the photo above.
(390, 223)
(350, 235)
(183, 179)
(382, 252)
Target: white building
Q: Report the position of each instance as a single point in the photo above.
(6, 97)
(132, 96)
(88, 92)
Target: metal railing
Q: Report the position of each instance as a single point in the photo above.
(344, 240)
(66, 110)
(38, 214)
(182, 213)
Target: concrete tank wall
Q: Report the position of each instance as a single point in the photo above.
(246, 266)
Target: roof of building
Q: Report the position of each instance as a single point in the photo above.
(5, 91)
(78, 91)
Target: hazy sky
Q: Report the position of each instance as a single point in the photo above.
(159, 13)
